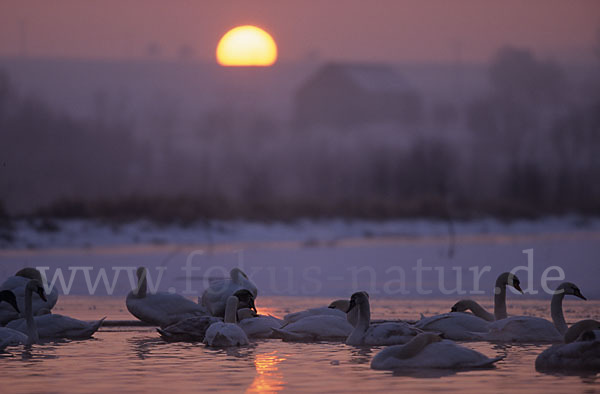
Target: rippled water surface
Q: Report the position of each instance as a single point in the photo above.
(135, 359)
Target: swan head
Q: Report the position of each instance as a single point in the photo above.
(461, 306)
(9, 296)
(236, 273)
(245, 299)
(358, 298)
(29, 273)
(510, 279)
(342, 305)
(569, 288)
(35, 286)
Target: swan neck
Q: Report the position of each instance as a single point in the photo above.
(142, 286)
(235, 276)
(556, 310)
(480, 311)
(414, 347)
(32, 334)
(231, 310)
(500, 301)
(364, 321)
(364, 316)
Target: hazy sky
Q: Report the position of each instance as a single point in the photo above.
(381, 30)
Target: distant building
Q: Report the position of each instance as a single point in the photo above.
(344, 95)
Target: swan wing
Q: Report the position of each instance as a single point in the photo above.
(389, 334)
(221, 334)
(316, 328)
(163, 309)
(191, 329)
(10, 336)
(293, 317)
(457, 326)
(523, 329)
(260, 326)
(59, 326)
(440, 355)
(574, 356)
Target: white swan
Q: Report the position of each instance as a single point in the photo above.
(580, 352)
(461, 326)
(192, 329)
(365, 333)
(9, 336)
(50, 326)
(337, 308)
(226, 333)
(535, 329)
(17, 284)
(215, 296)
(161, 309)
(257, 326)
(428, 350)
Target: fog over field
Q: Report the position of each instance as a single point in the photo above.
(515, 137)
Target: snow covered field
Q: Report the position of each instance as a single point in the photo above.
(87, 233)
(393, 259)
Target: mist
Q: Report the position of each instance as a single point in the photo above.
(515, 137)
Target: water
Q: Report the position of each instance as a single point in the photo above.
(135, 359)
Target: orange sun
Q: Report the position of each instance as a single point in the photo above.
(246, 46)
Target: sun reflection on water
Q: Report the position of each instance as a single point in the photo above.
(268, 378)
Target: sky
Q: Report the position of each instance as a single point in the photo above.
(350, 30)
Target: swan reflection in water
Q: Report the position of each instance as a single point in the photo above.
(268, 378)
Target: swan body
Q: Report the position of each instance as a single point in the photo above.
(535, 329)
(315, 328)
(321, 311)
(365, 333)
(579, 328)
(523, 329)
(428, 350)
(215, 296)
(260, 326)
(580, 354)
(17, 285)
(226, 333)
(9, 336)
(191, 329)
(336, 308)
(161, 309)
(457, 326)
(55, 326)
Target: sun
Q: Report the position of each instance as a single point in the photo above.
(246, 46)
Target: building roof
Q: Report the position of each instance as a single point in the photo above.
(372, 77)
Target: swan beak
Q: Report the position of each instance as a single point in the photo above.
(351, 305)
(453, 309)
(578, 294)
(252, 306)
(41, 294)
(518, 287)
